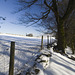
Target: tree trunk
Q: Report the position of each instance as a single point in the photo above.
(61, 36)
(72, 46)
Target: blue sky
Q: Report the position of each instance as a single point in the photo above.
(6, 9)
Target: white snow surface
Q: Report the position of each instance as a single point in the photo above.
(60, 65)
(26, 50)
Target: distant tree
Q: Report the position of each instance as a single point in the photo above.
(50, 7)
(30, 35)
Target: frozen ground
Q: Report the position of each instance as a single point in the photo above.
(25, 51)
(60, 65)
(25, 48)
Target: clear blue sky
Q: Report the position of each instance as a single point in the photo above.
(6, 9)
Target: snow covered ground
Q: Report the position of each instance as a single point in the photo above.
(60, 65)
(26, 49)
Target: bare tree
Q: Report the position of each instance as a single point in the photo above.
(48, 7)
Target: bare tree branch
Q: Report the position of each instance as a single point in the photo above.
(70, 8)
(2, 18)
(50, 7)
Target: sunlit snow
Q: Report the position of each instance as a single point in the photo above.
(26, 49)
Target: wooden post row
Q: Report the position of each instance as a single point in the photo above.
(12, 53)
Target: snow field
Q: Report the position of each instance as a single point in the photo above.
(26, 50)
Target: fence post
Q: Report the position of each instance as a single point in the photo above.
(48, 41)
(42, 42)
(12, 53)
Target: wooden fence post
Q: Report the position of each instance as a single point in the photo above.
(12, 53)
(42, 42)
(48, 41)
